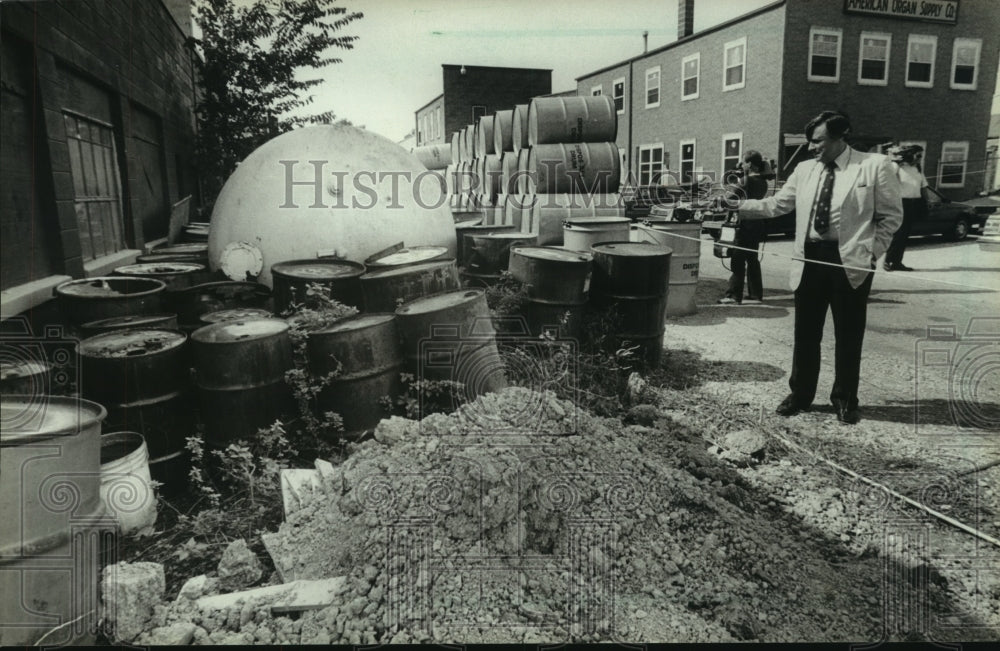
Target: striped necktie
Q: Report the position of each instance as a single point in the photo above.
(821, 209)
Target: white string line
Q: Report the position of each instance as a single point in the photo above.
(842, 266)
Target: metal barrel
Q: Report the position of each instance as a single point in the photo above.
(240, 371)
(519, 128)
(25, 377)
(491, 176)
(191, 303)
(142, 377)
(685, 239)
(195, 233)
(557, 282)
(484, 135)
(489, 253)
(126, 488)
(235, 314)
(177, 275)
(407, 256)
(132, 322)
(550, 211)
(196, 249)
(580, 233)
(633, 279)
(450, 336)
(503, 123)
(104, 297)
(456, 155)
(53, 520)
(524, 178)
(583, 167)
(582, 118)
(433, 157)
(508, 173)
(385, 289)
(364, 350)
(468, 135)
(465, 243)
(291, 280)
(499, 216)
(517, 211)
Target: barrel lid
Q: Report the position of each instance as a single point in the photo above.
(110, 286)
(550, 253)
(159, 268)
(357, 322)
(130, 320)
(131, 343)
(596, 221)
(410, 255)
(516, 235)
(30, 417)
(240, 260)
(235, 314)
(631, 249)
(14, 369)
(408, 269)
(190, 247)
(441, 301)
(227, 289)
(238, 331)
(318, 269)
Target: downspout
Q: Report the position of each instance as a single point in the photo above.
(629, 112)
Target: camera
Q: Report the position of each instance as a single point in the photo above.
(35, 367)
(965, 370)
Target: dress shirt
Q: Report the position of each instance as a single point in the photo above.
(814, 184)
(911, 181)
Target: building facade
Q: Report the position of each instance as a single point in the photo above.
(696, 104)
(469, 92)
(98, 136)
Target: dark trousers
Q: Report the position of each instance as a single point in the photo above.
(913, 210)
(825, 287)
(745, 264)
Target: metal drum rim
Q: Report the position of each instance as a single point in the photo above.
(186, 267)
(100, 323)
(656, 250)
(175, 343)
(358, 269)
(471, 294)
(335, 328)
(200, 334)
(402, 270)
(553, 254)
(159, 286)
(15, 439)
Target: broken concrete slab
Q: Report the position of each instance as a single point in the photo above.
(296, 484)
(180, 634)
(296, 596)
(239, 566)
(129, 591)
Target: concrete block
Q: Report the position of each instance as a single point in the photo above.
(129, 592)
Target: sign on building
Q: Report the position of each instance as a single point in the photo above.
(936, 11)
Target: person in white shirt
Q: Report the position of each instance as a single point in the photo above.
(911, 188)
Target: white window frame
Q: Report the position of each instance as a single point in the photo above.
(663, 168)
(884, 81)
(438, 127)
(978, 44)
(825, 31)
(739, 156)
(614, 97)
(920, 38)
(743, 64)
(696, 57)
(597, 91)
(694, 159)
(659, 77)
(953, 144)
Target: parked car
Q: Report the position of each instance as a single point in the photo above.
(952, 219)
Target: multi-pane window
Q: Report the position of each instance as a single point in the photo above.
(650, 164)
(734, 62)
(687, 161)
(873, 59)
(653, 87)
(732, 151)
(690, 68)
(96, 186)
(951, 170)
(920, 54)
(965, 63)
(824, 54)
(618, 93)
(596, 91)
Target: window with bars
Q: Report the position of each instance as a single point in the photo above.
(873, 62)
(920, 53)
(690, 67)
(824, 55)
(650, 164)
(618, 93)
(954, 156)
(653, 87)
(734, 63)
(965, 63)
(96, 186)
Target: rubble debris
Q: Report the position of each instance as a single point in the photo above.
(129, 592)
(296, 596)
(198, 586)
(239, 566)
(179, 634)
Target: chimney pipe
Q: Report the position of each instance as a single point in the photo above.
(645, 42)
(685, 18)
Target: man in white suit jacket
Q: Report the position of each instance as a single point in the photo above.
(851, 230)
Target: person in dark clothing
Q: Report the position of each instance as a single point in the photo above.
(911, 187)
(749, 236)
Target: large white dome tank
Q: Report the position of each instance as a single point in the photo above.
(326, 190)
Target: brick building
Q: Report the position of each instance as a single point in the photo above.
(469, 92)
(97, 137)
(753, 82)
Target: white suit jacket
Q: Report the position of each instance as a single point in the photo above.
(867, 192)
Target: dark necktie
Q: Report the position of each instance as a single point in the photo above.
(821, 211)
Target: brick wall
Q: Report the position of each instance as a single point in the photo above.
(496, 89)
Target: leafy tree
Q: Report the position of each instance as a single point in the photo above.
(251, 56)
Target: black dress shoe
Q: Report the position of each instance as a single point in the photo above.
(899, 266)
(845, 413)
(790, 406)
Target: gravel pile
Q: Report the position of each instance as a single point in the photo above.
(520, 518)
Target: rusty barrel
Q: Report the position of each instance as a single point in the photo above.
(142, 377)
(104, 297)
(557, 282)
(364, 351)
(633, 279)
(685, 239)
(53, 520)
(292, 278)
(549, 212)
(132, 322)
(177, 275)
(29, 377)
(240, 371)
(450, 337)
(185, 252)
(464, 242)
(385, 289)
(192, 302)
(489, 254)
(235, 314)
(126, 488)
(582, 167)
(407, 256)
(582, 118)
